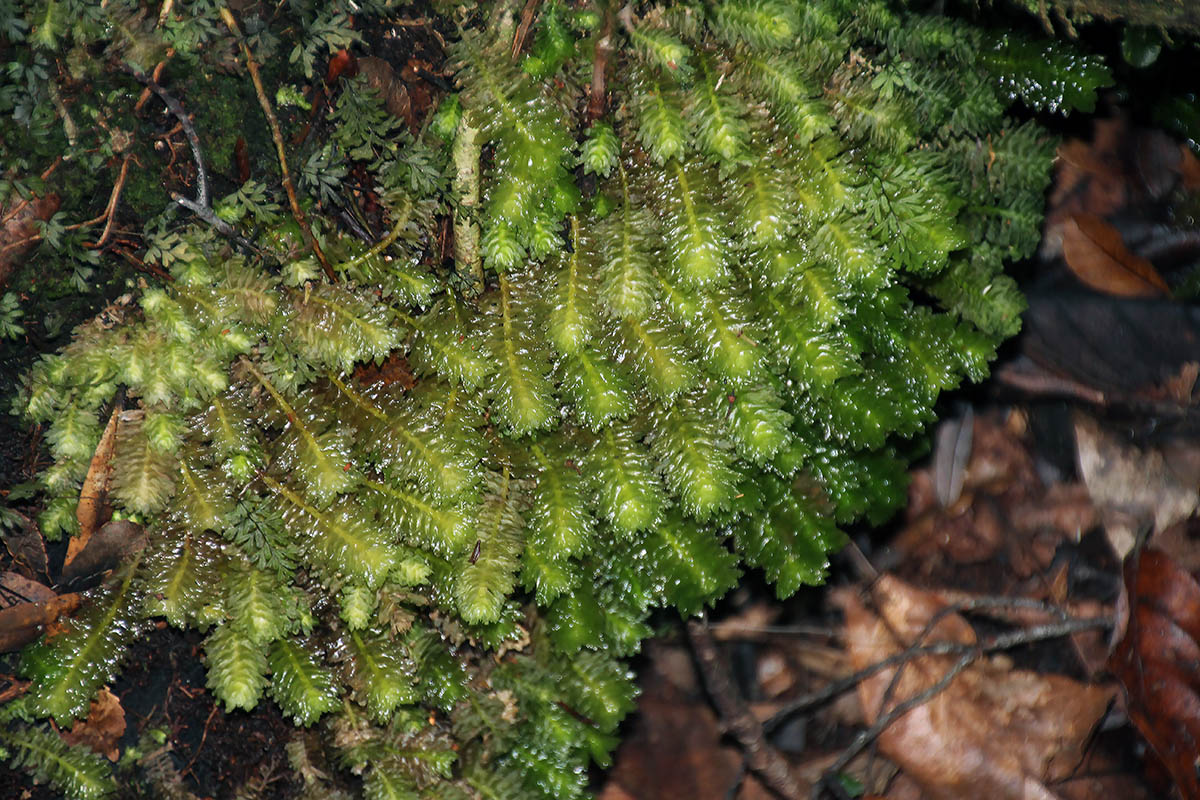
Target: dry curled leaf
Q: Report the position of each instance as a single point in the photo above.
(19, 230)
(22, 623)
(93, 498)
(1157, 660)
(993, 732)
(102, 728)
(1097, 255)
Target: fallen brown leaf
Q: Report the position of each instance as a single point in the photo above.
(27, 547)
(93, 498)
(1097, 255)
(24, 622)
(994, 732)
(115, 543)
(1157, 660)
(16, 588)
(102, 728)
(392, 90)
(18, 228)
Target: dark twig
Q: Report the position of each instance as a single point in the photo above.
(527, 13)
(277, 136)
(872, 733)
(597, 99)
(994, 644)
(968, 653)
(762, 759)
(202, 205)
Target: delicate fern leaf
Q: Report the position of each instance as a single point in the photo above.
(696, 568)
(440, 673)
(377, 672)
(203, 502)
(601, 688)
(481, 587)
(627, 273)
(1046, 75)
(256, 601)
(795, 98)
(814, 356)
(387, 781)
(855, 257)
(574, 619)
(336, 327)
(659, 356)
(598, 390)
(766, 210)
(237, 668)
(817, 288)
(247, 295)
(717, 119)
(357, 605)
(862, 113)
(446, 345)
(143, 479)
(691, 460)
(694, 236)
(414, 445)
(67, 670)
(600, 151)
(724, 332)
(787, 537)
(181, 576)
(302, 687)
(764, 24)
(661, 48)
(572, 318)
(421, 522)
(74, 434)
(318, 452)
(558, 514)
(659, 112)
(73, 770)
(522, 397)
(339, 540)
(756, 421)
(627, 492)
(825, 179)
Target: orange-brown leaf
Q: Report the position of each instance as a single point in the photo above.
(102, 728)
(1157, 660)
(993, 732)
(93, 498)
(1097, 255)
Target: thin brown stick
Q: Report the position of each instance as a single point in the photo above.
(527, 13)
(1004, 641)
(762, 759)
(273, 122)
(110, 211)
(597, 95)
(200, 746)
(156, 76)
